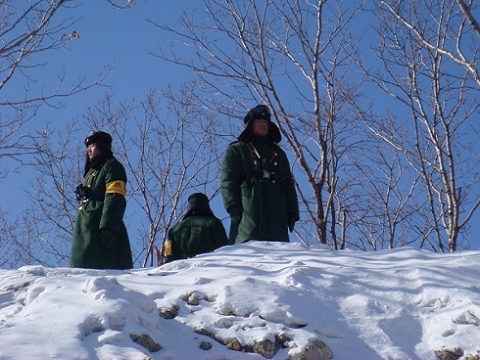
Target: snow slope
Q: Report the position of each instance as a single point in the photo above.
(396, 304)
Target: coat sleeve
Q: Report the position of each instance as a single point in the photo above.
(231, 177)
(288, 183)
(115, 191)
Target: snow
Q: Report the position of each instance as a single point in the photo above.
(392, 304)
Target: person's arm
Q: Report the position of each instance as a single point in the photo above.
(288, 183)
(114, 201)
(114, 204)
(231, 177)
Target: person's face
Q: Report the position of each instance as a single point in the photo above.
(93, 150)
(260, 127)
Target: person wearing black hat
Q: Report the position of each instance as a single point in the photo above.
(198, 232)
(100, 239)
(257, 186)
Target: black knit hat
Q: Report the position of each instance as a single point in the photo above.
(198, 203)
(102, 139)
(260, 112)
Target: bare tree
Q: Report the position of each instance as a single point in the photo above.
(467, 12)
(168, 156)
(28, 31)
(298, 58)
(424, 49)
(165, 151)
(49, 224)
(124, 4)
(9, 252)
(293, 57)
(23, 33)
(461, 45)
(382, 199)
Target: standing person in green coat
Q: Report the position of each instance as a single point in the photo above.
(199, 231)
(100, 239)
(257, 185)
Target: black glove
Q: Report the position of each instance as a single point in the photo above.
(108, 238)
(292, 218)
(235, 212)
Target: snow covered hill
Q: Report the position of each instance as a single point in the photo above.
(264, 299)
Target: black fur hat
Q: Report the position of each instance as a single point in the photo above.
(260, 112)
(103, 141)
(104, 144)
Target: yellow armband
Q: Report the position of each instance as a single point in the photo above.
(167, 251)
(116, 187)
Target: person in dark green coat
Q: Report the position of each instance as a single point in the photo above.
(199, 231)
(257, 185)
(100, 239)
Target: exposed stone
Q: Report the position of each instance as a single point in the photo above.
(266, 348)
(472, 357)
(169, 312)
(205, 345)
(146, 341)
(281, 339)
(234, 344)
(205, 332)
(194, 298)
(318, 350)
(449, 354)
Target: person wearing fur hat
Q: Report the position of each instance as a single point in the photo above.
(198, 232)
(257, 186)
(100, 239)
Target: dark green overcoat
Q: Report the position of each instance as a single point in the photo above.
(104, 210)
(194, 235)
(266, 203)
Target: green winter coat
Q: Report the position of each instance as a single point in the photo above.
(266, 203)
(194, 235)
(104, 210)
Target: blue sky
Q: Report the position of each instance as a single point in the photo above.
(121, 39)
(108, 37)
